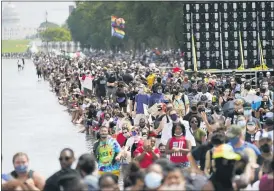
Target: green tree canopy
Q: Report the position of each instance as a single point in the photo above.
(55, 34)
(153, 24)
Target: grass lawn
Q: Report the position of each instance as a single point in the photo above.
(14, 46)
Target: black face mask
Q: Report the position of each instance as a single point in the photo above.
(194, 91)
(248, 87)
(265, 148)
(201, 110)
(194, 108)
(142, 125)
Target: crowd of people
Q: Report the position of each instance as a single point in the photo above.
(162, 129)
(16, 55)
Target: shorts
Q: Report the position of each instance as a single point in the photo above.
(115, 172)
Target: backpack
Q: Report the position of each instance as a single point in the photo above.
(158, 120)
(178, 104)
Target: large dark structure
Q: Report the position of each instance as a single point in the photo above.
(217, 27)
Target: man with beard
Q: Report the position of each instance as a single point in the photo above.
(224, 161)
(108, 153)
(101, 86)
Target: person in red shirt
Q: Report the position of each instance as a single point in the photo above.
(147, 154)
(124, 135)
(178, 146)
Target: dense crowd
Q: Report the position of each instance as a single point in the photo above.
(26, 55)
(162, 129)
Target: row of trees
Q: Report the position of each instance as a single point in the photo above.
(54, 33)
(148, 24)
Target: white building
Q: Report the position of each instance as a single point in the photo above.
(11, 27)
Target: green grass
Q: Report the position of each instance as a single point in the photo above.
(14, 46)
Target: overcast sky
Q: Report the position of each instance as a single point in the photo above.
(33, 13)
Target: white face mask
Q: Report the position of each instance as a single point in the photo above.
(251, 127)
(265, 86)
(241, 123)
(237, 96)
(247, 112)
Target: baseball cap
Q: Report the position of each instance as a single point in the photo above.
(234, 131)
(225, 151)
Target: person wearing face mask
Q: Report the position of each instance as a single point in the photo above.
(192, 92)
(267, 92)
(141, 99)
(132, 96)
(177, 146)
(247, 90)
(156, 97)
(193, 110)
(264, 108)
(217, 139)
(166, 126)
(251, 131)
(22, 173)
(107, 152)
(236, 138)
(265, 144)
(107, 120)
(124, 134)
(178, 103)
(198, 133)
(204, 92)
(248, 115)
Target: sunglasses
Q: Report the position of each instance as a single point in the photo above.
(64, 158)
(194, 122)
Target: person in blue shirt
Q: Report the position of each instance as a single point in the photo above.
(157, 96)
(236, 138)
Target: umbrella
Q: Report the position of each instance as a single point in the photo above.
(229, 106)
(254, 100)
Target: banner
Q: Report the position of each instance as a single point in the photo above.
(87, 83)
(117, 24)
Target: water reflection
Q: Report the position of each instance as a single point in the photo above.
(34, 122)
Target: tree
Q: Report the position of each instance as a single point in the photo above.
(155, 24)
(55, 34)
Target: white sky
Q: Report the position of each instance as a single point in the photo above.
(33, 13)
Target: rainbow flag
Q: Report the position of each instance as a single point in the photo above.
(113, 19)
(117, 22)
(118, 33)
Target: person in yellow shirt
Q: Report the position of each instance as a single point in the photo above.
(151, 79)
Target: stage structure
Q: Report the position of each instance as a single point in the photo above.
(228, 35)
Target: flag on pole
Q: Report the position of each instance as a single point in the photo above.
(117, 24)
